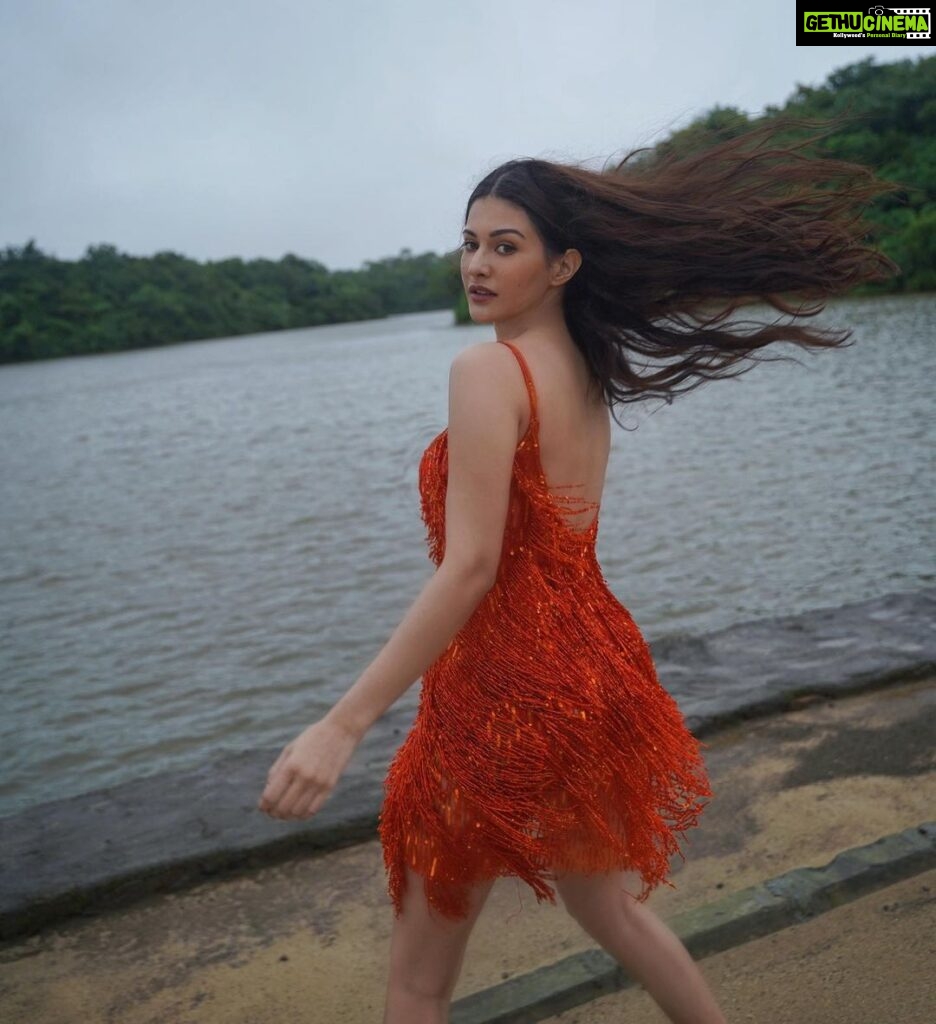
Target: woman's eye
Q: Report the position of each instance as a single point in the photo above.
(505, 245)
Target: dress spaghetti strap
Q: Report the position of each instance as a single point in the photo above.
(568, 504)
(528, 378)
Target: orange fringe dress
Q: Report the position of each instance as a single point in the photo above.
(543, 741)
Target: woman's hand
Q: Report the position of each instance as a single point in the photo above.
(306, 772)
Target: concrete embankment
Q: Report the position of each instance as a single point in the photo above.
(160, 833)
(820, 809)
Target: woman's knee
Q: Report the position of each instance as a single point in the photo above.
(590, 898)
(427, 948)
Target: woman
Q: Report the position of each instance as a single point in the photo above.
(544, 746)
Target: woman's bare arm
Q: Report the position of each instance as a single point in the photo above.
(443, 606)
(484, 416)
(484, 413)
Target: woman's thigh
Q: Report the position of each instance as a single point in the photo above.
(426, 948)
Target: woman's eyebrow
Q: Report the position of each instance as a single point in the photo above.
(499, 231)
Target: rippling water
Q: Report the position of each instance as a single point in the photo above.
(204, 544)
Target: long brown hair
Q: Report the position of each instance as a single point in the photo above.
(674, 243)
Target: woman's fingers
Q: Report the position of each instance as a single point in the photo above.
(291, 795)
(280, 793)
(284, 753)
(292, 798)
(273, 783)
(279, 780)
(314, 798)
(313, 787)
(307, 770)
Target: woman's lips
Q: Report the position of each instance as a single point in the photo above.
(481, 296)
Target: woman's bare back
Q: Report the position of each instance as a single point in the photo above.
(574, 429)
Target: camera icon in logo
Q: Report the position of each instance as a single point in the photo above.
(879, 11)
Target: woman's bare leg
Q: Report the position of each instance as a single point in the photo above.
(641, 943)
(426, 954)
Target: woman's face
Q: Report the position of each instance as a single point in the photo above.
(502, 253)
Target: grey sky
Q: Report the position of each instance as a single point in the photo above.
(346, 131)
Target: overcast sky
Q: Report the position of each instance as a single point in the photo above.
(344, 131)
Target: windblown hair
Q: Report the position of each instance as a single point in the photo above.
(673, 244)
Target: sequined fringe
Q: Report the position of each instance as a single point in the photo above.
(543, 741)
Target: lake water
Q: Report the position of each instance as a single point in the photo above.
(204, 544)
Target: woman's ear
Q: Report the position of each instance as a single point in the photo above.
(567, 266)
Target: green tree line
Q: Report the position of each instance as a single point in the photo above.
(109, 301)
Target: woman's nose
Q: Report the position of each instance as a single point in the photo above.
(477, 262)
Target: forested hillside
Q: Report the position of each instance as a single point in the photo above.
(108, 300)
(895, 134)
